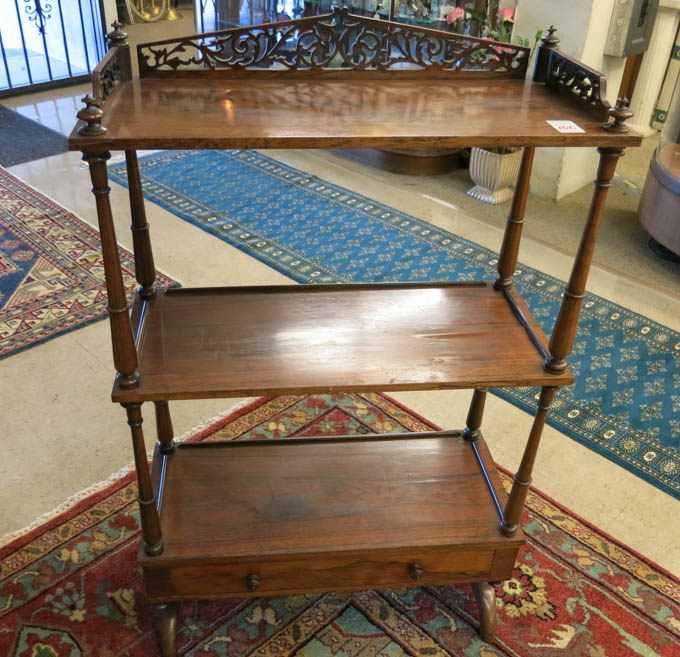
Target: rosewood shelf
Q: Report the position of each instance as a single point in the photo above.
(312, 515)
(349, 113)
(238, 342)
(326, 514)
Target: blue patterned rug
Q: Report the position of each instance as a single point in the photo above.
(625, 403)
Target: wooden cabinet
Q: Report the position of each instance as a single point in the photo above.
(244, 519)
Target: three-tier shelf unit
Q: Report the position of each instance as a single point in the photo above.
(304, 515)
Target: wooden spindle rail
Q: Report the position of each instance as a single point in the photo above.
(124, 352)
(151, 527)
(164, 429)
(564, 331)
(475, 414)
(522, 479)
(145, 269)
(507, 260)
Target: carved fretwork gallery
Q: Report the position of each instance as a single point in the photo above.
(223, 519)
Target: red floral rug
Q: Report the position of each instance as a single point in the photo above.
(71, 586)
(51, 269)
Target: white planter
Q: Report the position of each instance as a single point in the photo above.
(493, 174)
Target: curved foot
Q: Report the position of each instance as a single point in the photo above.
(167, 630)
(486, 603)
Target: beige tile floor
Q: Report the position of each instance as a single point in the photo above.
(62, 434)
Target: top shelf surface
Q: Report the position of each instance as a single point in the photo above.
(339, 113)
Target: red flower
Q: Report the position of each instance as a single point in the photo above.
(455, 15)
(507, 14)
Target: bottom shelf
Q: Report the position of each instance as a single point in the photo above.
(328, 514)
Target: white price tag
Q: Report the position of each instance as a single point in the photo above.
(565, 126)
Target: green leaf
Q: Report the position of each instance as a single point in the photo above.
(539, 34)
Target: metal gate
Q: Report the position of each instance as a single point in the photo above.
(44, 42)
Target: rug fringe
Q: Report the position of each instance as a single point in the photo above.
(71, 501)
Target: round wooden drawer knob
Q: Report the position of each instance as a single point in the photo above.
(253, 582)
(416, 571)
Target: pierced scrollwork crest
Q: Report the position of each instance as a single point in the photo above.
(573, 79)
(109, 73)
(109, 78)
(335, 42)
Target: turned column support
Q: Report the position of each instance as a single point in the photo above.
(507, 260)
(164, 429)
(145, 269)
(151, 527)
(167, 628)
(522, 479)
(564, 331)
(124, 352)
(486, 604)
(475, 414)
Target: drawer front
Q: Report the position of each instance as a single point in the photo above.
(282, 576)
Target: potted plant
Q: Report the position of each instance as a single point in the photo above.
(494, 171)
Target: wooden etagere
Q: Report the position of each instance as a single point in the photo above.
(278, 517)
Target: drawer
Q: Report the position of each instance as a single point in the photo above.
(337, 572)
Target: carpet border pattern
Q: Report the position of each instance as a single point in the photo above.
(62, 311)
(106, 522)
(119, 494)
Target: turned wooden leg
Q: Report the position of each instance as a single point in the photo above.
(164, 429)
(145, 269)
(475, 414)
(151, 526)
(124, 352)
(507, 260)
(167, 628)
(486, 603)
(564, 331)
(522, 479)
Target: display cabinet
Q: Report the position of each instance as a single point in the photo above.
(301, 515)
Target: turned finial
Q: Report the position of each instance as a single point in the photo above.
(117, 37)
(550, 41)
(92, 114)
(619, 113)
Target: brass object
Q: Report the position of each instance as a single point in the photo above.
(149, 11)
(416, 571)
(173, 14)
(92, 114)
(253, 582)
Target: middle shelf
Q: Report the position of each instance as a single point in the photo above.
(299, 339)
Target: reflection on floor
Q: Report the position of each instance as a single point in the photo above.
(63, 434)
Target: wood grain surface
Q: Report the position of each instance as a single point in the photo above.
(233, 500)
(345, 113)
(236, 342)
